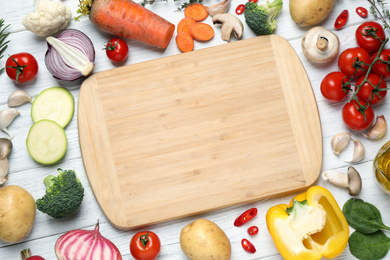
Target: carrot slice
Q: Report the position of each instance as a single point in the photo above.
(196, 11)
(202, 32)
(185, 24)
(185, 42)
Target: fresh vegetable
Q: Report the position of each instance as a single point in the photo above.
(245, 217)
(64, 194)
(358, 115)
(196, 11)
(203, 239)
(185, 42)
(354, 62)
(16, 221)
(7, 116)
(128, 19)
(70, 55)
(362, 12)
(86, 245)
(145, 245)
(3, 42)
(248, 246)
(370, 35)
(21, 67)
(381, 66)
(240, 9)
(46, 142)
(48, 18)
(5, 149)
(333, 86)
(218, 8)
(55, 104)
(253, 230)
(310, 12)
(339, 142)
(117, 50)
(230, 25)
(373, 90)
(312, 226)
(341, 20)
(378, 130)
(368, 240)
(18, 98)
(26, 255)
(350, 180)
(262, 18)
(185, 24)
(202, 32)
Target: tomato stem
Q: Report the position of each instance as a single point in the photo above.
(18, 68)
(144, 239)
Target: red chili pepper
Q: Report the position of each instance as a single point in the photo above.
(248, 246)
(240, 9)
(253, 230)
(253, 1)
(362, 12)
(341, 19)
(245, 217)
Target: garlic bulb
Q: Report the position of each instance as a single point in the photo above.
(378, 130)
(18, 98)
(340, 141)
(7, 115)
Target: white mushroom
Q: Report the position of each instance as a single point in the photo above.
(320, 45)
(350, 180)
(219, 8)
(5, 149)
(230, 24)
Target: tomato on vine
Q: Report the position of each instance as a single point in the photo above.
(354, 62)
(358, 115)
(21, 67)
(370, 35)
(145, 245)
(117, 50)
(382, 67)
(334, 87)
(373, 90)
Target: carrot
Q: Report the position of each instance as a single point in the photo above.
(185, 24)
(202, 32)
(128, 19)
(196, 11)
(185, 42)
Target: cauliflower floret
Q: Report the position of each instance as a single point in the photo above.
(48, 18)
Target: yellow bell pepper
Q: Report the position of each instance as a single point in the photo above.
(311, 227)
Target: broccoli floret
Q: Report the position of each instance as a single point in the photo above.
(64, 194)
(261, 18)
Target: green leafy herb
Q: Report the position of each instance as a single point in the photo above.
(369, 247)
(383, 14)
(3, 43)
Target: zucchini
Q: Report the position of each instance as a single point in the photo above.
(46, 142)
(56, 104)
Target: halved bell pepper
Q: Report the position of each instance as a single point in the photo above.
(311, 227)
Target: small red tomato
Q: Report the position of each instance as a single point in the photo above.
(240, 9)
(248, 246)
(117, 50)
(26, 255)
(362, 12)
(145, 245)
(370, 35)
(373, 90)
(358, 115)
(333, 86)
(382, 67)
(253, 230)
(21, 67)
(245, 217)
(354, 62)
(341, 20)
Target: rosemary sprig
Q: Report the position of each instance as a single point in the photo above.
(3, 43)
(383, 14)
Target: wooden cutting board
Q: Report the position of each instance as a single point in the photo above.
(198, 131)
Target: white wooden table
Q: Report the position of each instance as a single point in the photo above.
(25, 172)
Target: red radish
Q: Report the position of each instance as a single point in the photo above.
(26, 255)
(86, 245)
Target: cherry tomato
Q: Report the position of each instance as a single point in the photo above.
(362, 12)
(21, 67)
(333, 86)
(380, 68)
(245, 217)
(370, 35)
(253, 230)
(341, 20)
(145, 245)
(117, 50)
(26, 255)
(354, 62)
(357, 115)
(367, 92)
(248, 246)
(240, 9)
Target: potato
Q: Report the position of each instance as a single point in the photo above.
(310, 12)
(17, 211)
(203, 240)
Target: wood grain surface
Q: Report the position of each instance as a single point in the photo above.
(200, 131)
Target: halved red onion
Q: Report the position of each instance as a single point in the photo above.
(70, 55)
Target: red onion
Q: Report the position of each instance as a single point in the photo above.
(70, 55)
(82, 244)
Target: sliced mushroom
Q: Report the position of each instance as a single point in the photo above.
(320, 45)
(230, 24)
(350, 180)
(219, 8)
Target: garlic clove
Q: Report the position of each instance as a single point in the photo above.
(4, 167)
(340, 141)
(18, 98)
(358, 151)
(5, 147)
(7, 115)
(218, 8)
(378, 130)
